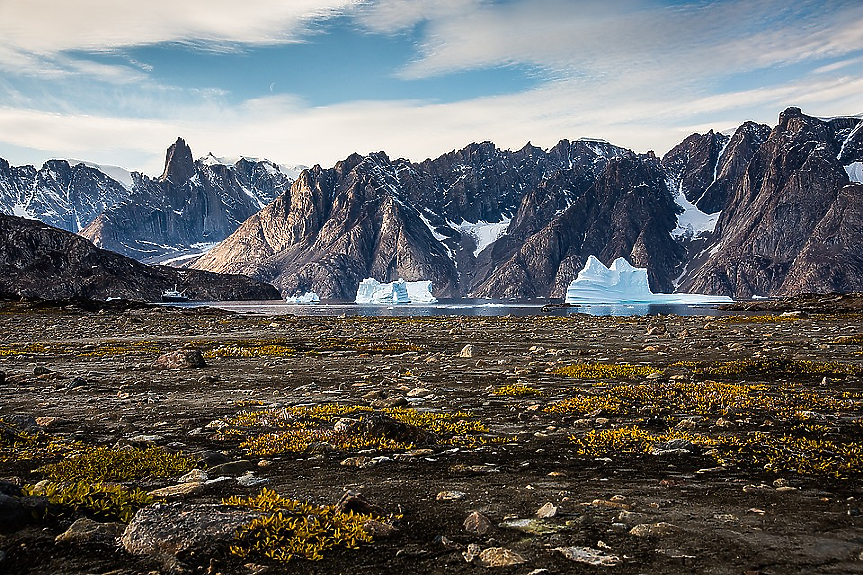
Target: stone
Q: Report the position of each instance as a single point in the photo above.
(77, 382)
(588, 555)
(2, 377)
(467, 351)
(660, 529)
(85, 530)
(249, 479)
(500, 557)
(178, 528)
(450, 495)
(181, 359)
(232, 468)
(379, 529)
(356, 502)
(360, 462)
(477, 523)
(180, 490)
(546, 511)
(41, 370)
(673, 447)
(472, 552)
(194, 475)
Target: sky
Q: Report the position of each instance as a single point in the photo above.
(310, 82)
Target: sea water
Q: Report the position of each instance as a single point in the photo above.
(456, 307)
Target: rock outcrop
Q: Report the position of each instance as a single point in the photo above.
(38, 261)
(791, 203)
(191, 206)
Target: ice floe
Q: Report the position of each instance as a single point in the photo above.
(623, 283)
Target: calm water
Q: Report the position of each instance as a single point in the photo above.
(452, 307)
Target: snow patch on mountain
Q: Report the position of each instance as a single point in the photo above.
(116, 173)
(484, 233)
(692, 222)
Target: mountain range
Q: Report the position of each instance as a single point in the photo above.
(761, 211)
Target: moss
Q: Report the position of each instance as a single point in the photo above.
(778, 367)
(106, 464)
(293, 529)
(298, 429)
(516, 390)
(105, 502)
(606, 371)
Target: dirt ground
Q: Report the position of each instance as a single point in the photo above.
(89, 376)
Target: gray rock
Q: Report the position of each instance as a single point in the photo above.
(589, 556)
(86, 530)
(546, 511)
(477, 523)
(654, 529)
(500, 557)
(467, 351)
(181, 359)
(179, 528)
(231, 468)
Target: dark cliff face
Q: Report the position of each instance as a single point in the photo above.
(627, 212)
(60, 194)
(789, 186)
(692, 165)
(191, 203)
(370, 216)
(39, 261)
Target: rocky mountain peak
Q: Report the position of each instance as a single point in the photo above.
(179, 164)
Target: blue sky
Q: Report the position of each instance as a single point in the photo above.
(307, 82)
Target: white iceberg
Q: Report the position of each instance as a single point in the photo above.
(373, 292)
(421, 292)
(623, 283)
(309, 297)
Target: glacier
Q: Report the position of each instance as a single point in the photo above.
(309, 297)
(371, 291)
(623, 283)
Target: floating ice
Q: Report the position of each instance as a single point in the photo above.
(421, 292)
(372, 291)
(622, 283)
(309, 297)
(855, 172)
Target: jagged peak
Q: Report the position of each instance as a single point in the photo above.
(179, 164)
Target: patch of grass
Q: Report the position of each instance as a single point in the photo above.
(516, 390)
(298, 429)
(606, 371)
(778, 367)
(94, 464)
(104, 502)
(293, 529)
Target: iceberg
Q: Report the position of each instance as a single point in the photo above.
(309, 297)
(373, 292)
(421, 292)
(623, 283)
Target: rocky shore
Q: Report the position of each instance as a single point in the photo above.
(160, 440)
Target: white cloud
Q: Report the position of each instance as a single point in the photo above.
(34, 32)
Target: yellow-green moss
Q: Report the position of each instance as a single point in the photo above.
(106, 502)
(293, 529)
(516, 390)
(95, 464)
(606, 371)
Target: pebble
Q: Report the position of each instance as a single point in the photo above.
(450, 495)
(86, 530)
(546, 511)
(231, 468)
(467, 351)
(472, 552)
(590, 556)
(477, 523)
(654, 529)
(181, 359)
(500, 557)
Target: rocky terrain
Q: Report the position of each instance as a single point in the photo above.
(576, 444)
(38, 261)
